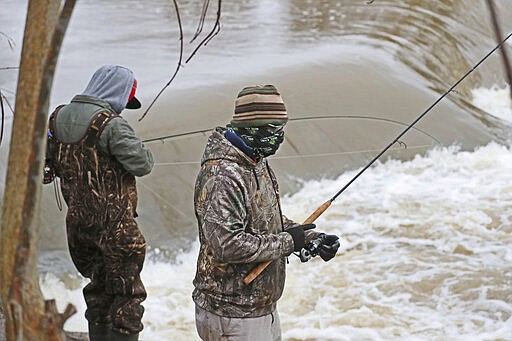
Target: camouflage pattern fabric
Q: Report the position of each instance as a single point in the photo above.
(240, 225)
(104, 241)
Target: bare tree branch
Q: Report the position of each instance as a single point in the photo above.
(205, 41)
(206, 4)
(10, 41)
(499, 37)
(213, 33)
(177, 66)
(3, 116)
(53, 54)
(7, 101)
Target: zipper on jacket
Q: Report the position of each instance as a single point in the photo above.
(277, 196)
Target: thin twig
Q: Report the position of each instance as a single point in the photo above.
(213, 33)
(206, 4)
(3, 116)
(206, 40)
(9, 68)
(499, 35)
(8, 103)
(177, 66)
(10, 41)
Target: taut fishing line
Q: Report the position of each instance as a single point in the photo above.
(298, 119)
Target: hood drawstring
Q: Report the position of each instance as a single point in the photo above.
(274, 184)
(257, 181)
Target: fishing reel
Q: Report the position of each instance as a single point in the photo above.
(48, 173)
(49, 170)
(312, 249)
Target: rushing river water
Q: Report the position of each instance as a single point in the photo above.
(426, 232)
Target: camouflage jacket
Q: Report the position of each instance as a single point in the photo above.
(240, 225)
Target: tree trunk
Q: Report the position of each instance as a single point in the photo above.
(27, 316)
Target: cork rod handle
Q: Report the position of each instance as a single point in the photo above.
(259, 269)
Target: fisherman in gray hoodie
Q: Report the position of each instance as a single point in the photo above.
(97, 156)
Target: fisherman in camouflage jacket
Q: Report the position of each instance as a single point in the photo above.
(241, 224)
(97, 156)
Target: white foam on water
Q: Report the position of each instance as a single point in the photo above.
(426, 257)
(66, 290)
(428, 252)
(494, 100)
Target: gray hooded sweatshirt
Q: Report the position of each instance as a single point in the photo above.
(112, 84)
(108, 90)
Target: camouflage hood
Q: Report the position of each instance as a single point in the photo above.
(240, 225)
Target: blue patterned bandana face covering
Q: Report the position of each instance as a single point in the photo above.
(263, 140)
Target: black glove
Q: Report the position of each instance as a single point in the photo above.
(328, 247)
(297, 233)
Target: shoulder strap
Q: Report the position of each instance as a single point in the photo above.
(97, 125)
(53, 118)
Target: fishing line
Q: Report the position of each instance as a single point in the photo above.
(160, 197)
(298, 119)
(300, 156)
(419, 118)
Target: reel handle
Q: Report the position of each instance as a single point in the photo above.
(259, 269)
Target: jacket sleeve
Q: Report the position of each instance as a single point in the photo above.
(224, 231)
(310, 234)
(127, 148)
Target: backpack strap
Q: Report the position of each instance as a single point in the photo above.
(52, 120)
(97, 126)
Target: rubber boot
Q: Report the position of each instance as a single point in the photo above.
(116, 336)
(100, 332)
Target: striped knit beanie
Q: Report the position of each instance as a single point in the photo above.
(257, 106)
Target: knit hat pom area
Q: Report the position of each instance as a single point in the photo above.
(259, 105)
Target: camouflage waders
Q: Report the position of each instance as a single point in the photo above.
(104, 241)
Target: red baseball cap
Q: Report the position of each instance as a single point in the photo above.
(133, 102)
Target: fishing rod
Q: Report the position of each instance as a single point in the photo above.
(298, 119)
(258, 269)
